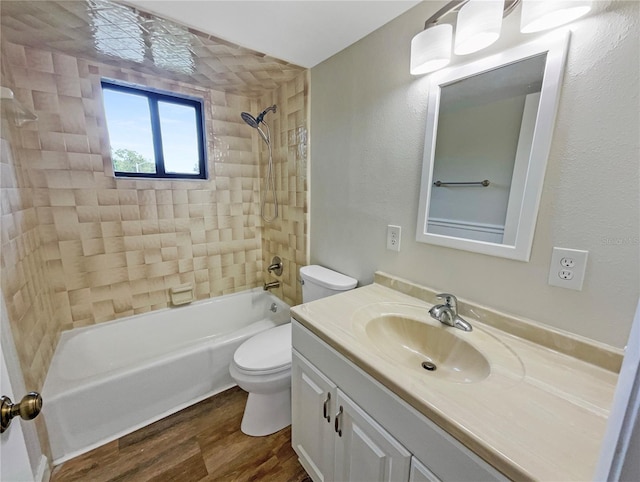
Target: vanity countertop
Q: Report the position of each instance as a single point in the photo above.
(545, 422)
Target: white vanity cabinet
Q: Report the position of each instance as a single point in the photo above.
(334, 438)
(312, 414)
(419, 473)
(382, 437)
(364, 450)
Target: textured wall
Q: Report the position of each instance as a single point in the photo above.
(104, 248)
(368, 116)
(116, 245)
(287, 235)
(25, 277)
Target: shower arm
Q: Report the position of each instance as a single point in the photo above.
(260, 117)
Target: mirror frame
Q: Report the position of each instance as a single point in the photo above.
(555, 46)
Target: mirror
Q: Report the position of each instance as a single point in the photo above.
(489, 130)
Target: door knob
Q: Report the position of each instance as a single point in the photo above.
(28, 408)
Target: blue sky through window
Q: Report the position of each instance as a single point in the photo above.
(179, 129)
(129, 122)
(129, 126)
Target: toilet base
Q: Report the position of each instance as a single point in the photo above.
(266, 413)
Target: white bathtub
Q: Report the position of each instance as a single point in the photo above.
(110, 379)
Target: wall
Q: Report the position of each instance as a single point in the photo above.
(25, 278)
(287, 236)
(31, 325)
(368, 117)
(107, 248)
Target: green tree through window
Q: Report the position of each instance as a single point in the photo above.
(127, 160)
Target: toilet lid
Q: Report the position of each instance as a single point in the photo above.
(268, 350)
(327, 277)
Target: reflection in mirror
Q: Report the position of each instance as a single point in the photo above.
(485, 128)
(488, 136)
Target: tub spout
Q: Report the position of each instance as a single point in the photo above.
(273, 284)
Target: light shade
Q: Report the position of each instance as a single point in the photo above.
(431, 49)
(545, 14)
(479, 24)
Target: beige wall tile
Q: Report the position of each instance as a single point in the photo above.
(80, 247)
(286, 237)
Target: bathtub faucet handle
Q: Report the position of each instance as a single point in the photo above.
(276, 266)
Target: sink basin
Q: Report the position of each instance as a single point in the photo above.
(432, 350)
(407, 338)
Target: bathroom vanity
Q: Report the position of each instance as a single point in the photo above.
(508, 400)
(347, 426)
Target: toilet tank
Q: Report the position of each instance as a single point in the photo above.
(320, 282)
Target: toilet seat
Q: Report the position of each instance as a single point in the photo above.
(266, 353)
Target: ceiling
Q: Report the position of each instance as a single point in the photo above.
(302, 32)
(126, 37)
(241, 47)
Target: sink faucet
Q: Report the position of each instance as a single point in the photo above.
(272, 284)
(448, 313)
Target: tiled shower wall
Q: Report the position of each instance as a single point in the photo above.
(26, 284)
(99, 248)
(286, 236)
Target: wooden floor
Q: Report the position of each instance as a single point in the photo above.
(199, 443)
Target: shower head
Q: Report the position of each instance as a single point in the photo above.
(255, 121)
(249, 119)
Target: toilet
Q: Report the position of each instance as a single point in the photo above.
(262, 364)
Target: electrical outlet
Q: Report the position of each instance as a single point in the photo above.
(567, 268)
(393, 237)
(565, 274)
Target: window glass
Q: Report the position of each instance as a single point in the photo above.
(129, 125)
(178, 125)
(154, 133)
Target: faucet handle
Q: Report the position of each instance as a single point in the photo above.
(276, 266)
(450, 300)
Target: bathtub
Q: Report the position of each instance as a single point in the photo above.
(110, 379)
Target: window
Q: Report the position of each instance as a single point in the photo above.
(154, 134)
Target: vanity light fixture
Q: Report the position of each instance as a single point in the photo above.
(478, 25)
(431, 49)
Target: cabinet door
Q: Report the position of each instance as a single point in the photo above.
(420, 473)
(366, 452)
(313, 399)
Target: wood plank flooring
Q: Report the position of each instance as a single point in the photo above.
(200, 443)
